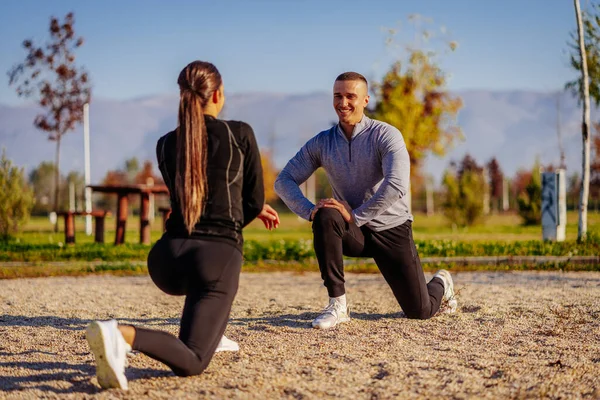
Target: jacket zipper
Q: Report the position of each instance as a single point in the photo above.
(350, 149)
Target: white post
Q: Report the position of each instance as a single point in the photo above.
(71, 196)
(86, 151)
(150, 182)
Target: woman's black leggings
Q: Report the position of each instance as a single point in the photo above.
(207, 273)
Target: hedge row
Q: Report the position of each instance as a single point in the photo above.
(296, 250)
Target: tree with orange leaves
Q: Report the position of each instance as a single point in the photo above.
(415, 101)
(412, 96)
(112, 178)
(147, 174)
(269, 175)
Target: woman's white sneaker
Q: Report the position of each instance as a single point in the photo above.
(335, 313)
(227, 344)
(110, 351)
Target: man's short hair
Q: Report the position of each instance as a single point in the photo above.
(352, 76)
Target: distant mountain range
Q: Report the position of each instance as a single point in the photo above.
(513, 126)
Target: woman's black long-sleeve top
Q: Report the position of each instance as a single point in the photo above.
(235, 182)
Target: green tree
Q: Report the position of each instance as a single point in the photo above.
(530, 201)
(76, 179)
(132, 168)
(464, 187)
(323, 187)
(591, 32)
(41, 179)
(16, 199)
(573, 187)
(496, 179)
(452, 198)
(50, 74)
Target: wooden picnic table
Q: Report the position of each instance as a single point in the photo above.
(122, 192)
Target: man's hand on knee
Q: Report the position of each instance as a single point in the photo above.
(317, 207)
(342, 206)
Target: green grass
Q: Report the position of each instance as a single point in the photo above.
(500, 228)
(290, 246)
(295, 250)
(72, 269)
(78, 268)
(39, 230)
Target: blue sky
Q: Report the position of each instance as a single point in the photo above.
(137, 48)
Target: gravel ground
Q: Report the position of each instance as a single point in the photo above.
(515, 335)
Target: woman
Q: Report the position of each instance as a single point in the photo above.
(213, 171)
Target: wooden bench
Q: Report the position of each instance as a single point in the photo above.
(166, 212)
(98, 215)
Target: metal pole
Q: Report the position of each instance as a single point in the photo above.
(86, 150)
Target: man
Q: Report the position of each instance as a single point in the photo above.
(368, 167)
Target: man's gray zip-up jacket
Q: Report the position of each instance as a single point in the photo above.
(371, 171)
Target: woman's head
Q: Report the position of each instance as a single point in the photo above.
(201, 92)
(202, 79)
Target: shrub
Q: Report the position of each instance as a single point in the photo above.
(530, 202)
(16, 200)
(463, 204)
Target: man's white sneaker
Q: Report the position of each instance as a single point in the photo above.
(227, 344)
(449, 297)
(335, 313)
(110, 351)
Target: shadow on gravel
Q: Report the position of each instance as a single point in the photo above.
(375, 316)
(3, 354)
(302, 320)
(508, 278)
(290, 320)
(78, 375)
(76, 324)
